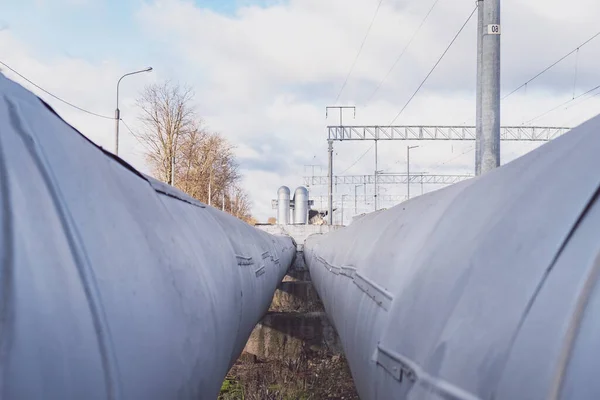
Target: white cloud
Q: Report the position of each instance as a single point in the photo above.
(264, 75)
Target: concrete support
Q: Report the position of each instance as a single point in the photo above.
(478, 98)
(490, 86)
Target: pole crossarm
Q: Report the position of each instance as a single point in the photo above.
(422, 132)
(385, 179)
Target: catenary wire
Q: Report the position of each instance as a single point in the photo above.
(55, 96)
(403, 52)
(551, 65)
(357, 160)
(560, 105)
(434, 66)
(359, 51)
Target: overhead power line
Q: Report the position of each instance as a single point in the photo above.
(55, 96)
(359, 50)
(434, 66)
(454, 158)
(128, 128)
(552, 65)
(581, 101)
(357, 160)
(560, 105)
(403, 51)
(571, 120)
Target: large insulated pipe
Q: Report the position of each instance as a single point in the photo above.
(283, 205)
(113, 285)
(301, 205)
(485, 289)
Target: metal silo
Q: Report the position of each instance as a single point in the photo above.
(301, 206)
(283, 205)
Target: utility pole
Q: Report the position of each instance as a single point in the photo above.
(118, 112)
(408, 170)
(478, 88)
(330, 150)
(376, 173)
(341, 108)
(330, 185)
(489, 85)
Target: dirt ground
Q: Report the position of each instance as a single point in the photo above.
(310, 377)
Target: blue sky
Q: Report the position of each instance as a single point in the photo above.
(94, 30)
(91, 30)
(264, 70)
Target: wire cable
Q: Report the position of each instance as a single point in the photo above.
(357, 160)
(359, 51)
(402, 53)
(454, 158)
(128, 128)
(581, 102)
(434, 66)
(571, 121)
(56, 97)
(560, 105)
(552, 65)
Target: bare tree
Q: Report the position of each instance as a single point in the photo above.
(184, 154)
(167, 116)
(206, 167)
(240, 206)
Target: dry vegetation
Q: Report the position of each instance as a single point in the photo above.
(310, 377)
(183, 153)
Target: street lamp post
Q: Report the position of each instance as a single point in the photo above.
(408, 170)
(118, 112)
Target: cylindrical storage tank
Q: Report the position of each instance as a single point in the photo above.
(283, 205)
(115, 285)
(301, 206)
(489, 288)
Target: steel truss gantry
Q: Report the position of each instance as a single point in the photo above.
(383, 179)
(423, 132)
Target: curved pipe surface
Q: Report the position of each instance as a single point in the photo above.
(485, 289)
(114, 285)
(301, 205)
(283, 205)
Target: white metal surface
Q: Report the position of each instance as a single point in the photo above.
(485, 289)
(301, 206)
(283, 205)
(114, 286)
(385, 179)
(418, 132)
